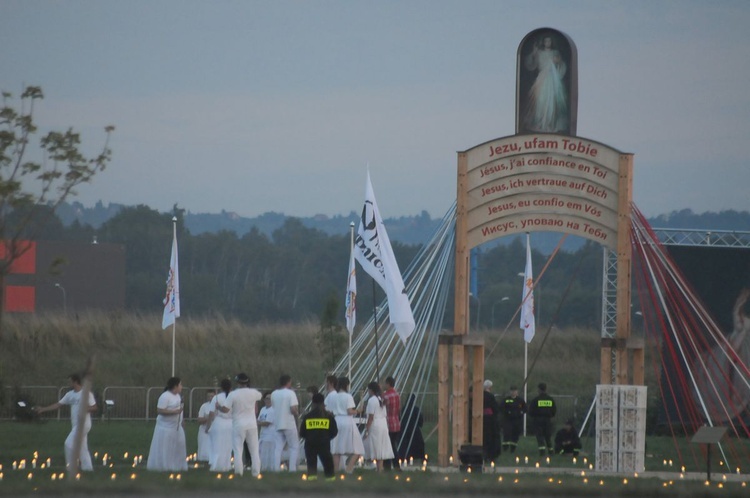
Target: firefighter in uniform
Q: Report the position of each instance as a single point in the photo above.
(542, 410)
(318, 428)
(514, 407)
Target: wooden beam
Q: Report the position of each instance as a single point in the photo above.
(624, 257)
(443, 403)
(477, 405)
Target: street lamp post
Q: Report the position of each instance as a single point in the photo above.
(65, 298)
(501, 301)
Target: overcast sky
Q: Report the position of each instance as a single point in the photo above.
(256, 106)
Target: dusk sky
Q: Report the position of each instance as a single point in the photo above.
(256, 106)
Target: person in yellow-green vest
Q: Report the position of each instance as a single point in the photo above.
(542, 410)
(318, 428)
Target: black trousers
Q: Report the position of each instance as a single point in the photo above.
(313, 451)
(393, 463)
(543, 430)
(512, 430)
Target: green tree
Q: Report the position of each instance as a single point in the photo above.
(30, 191)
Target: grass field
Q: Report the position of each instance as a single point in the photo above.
(133, 351)
(115, 445)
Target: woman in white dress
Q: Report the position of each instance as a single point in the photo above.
(221, 432)
(168, 449)
(348, 443)
(204, 440)
(267, 438)
(376, 430)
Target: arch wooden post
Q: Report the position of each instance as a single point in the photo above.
(464, 352)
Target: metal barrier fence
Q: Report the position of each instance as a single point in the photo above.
(139, 403)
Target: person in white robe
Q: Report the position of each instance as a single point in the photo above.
(243, 403)
(376, 430)
(267, 438)
(347, 446)
(73, 398)
(168, 448)
(204, 440)
(221, 431)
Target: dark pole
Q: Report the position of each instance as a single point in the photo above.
(708, 462)
(375, 318)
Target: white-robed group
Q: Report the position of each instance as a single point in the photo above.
(232, 419)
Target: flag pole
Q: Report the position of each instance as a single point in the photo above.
(375, 318)
(351, 246)
(174, 323)
(525, 380)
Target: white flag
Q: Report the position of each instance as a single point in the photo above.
(351, 295)
(528, 323)
(172, 299)
(372, 248)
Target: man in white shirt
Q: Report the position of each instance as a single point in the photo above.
(243, 403)
(286, 410)
(73, 398)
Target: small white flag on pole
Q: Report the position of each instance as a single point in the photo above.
(528, 324)
(372, 248)
(172, 298)
(351, 295)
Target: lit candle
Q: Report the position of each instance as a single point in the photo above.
(113, 476)
(29, 476)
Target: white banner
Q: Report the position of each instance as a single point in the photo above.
(372, 248)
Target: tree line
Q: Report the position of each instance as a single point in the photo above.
(299, 273)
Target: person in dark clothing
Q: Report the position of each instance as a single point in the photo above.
(542, 410)
(567, 440)
(490, 425)
(513, 408)
(412, 442)
(318, 428)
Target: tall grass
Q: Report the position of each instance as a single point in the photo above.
(132, 349)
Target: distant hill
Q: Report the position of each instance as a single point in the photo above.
(408, 230)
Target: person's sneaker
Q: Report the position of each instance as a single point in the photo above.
(330, 479)
(312, 478)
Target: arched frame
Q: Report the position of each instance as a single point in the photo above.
(529, 183)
